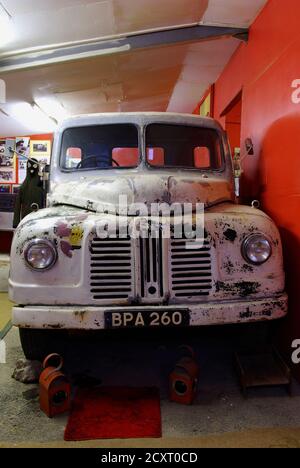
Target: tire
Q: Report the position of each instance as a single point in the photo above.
(38, 344)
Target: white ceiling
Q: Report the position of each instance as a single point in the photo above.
(163, 78)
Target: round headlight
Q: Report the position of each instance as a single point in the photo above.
(40, 254)
(257, 249)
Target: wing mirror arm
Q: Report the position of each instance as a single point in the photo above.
(237, 163)
(237, 170)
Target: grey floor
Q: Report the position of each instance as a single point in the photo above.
(146, 359)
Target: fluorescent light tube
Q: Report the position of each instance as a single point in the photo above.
(31, 117)
(4, 15)
(6, 30)
(49, 58)
(52, 107)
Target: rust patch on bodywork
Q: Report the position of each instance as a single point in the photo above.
(54, 326)
(247, 268)
(229, 267)
(242, 288)
(80, 314)
(249, 314)
(230, 234)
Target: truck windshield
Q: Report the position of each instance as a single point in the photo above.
(100, 147)
(183, 147)
(117, 146)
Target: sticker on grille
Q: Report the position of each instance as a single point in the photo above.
(190, 268)
(111, 268)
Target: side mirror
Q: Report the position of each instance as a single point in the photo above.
(237, 170)
(34, 207)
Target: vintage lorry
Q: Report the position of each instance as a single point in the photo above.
(66, 276)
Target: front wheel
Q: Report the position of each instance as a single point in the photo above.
(38, 344)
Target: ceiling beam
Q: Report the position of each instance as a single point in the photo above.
(186, 34)
(145, 40)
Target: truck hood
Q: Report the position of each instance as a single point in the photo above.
(103, 194)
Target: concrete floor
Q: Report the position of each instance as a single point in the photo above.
(5, 314)
(219, 417)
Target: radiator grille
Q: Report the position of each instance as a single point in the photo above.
(190, 268)
(112, 274)
(151, 263)
(111, 268)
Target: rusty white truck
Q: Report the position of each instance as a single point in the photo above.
(66, 275)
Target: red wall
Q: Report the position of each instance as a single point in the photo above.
(265, 69)
(233, 125)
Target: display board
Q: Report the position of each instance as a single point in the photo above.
(13, 166)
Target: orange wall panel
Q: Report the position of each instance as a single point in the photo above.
(233, 125)
(264, 70)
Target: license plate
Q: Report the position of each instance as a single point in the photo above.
(147, 318)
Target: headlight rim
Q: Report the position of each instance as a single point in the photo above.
(246, 242)
(48, 243)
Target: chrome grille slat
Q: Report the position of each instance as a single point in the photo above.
(183, 282)
(184, 264)
(108, 249)
(191, 274)
(194, 294)
(106, 288)
(102, 268)
(188, 254)
(109, 283)
(111, 254)
(181, 273)
(111, 268)
(193, 268)
(107, 242)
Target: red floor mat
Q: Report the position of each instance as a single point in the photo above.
(114, 413)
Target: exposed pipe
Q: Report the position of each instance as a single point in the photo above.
(94, 40)
(88, 50)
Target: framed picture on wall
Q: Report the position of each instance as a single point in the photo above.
(40, 148)
(4, 188)
(23, 146)
(22, 170)
(7, 157)
(2, 147)
(7, 175)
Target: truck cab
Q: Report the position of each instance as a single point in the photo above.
(111, 250)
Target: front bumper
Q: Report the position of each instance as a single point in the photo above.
(92, 318)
